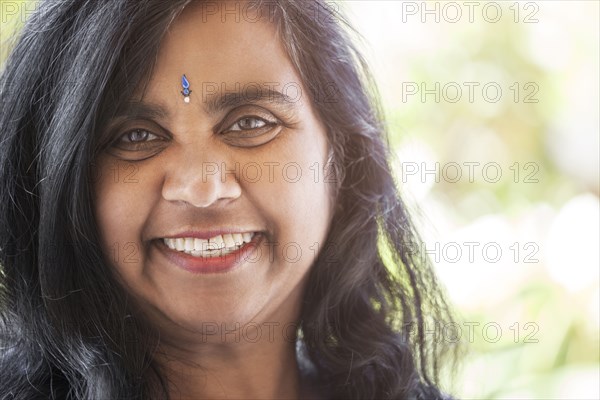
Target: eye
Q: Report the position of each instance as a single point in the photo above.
(136, 139)
(248, 123)
(138, 136)
(137, 144)
(250, 127)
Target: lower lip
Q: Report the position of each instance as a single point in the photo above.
(201, 265)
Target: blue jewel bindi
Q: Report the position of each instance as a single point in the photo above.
(186, 89)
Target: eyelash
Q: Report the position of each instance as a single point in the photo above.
(141, 144)
(126, 135)
(250, 117)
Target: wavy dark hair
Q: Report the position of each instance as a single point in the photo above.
(69, 330)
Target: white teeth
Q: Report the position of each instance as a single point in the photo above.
(206, 254)
(229, 242)
(247, 236)
(228, 250)
(216, 246)
(199, 244)
(217, 241)
(237, 238)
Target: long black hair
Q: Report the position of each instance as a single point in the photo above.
(69, 330)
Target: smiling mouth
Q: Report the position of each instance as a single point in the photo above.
(220, 253)
(216, 246)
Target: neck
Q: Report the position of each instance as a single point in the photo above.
(240, 369)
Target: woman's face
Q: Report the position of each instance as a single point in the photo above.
(244, 156)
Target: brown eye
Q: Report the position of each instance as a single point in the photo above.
(138, 136)
(137, 139)
(248, 123)
(137, 144)
(249, 126)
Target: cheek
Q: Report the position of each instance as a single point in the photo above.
(121, 206)
(298, 199)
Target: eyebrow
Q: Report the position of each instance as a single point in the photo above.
(218, 102)
(138, 109)
(213, 103)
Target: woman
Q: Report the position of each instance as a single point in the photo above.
(197, 203)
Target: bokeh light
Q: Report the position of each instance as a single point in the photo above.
(533, 311)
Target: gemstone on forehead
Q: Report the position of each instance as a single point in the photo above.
(185, 84)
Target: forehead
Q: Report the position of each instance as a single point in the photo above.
(221, 50)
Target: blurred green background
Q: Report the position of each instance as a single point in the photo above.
(493, 110)
(517, 94)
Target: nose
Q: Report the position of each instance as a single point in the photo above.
(200, 180)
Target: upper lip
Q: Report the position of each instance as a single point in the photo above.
(206, 234)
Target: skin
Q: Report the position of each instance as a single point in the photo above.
(208, 348)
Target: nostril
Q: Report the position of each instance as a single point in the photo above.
(200, 190)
